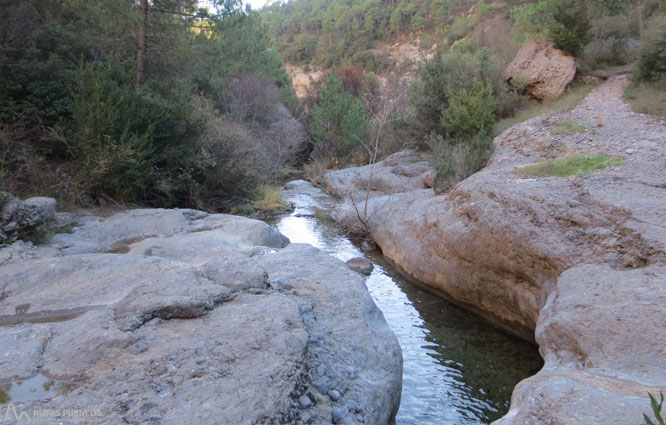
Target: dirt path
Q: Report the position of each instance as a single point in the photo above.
(612, 127)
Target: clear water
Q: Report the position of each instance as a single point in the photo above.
(39, 387)
(458, 369)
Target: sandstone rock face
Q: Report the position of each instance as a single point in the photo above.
(603, 347)
(303, 80)
(181, 325)
(544, 70)
(580, 259)
(18, 217)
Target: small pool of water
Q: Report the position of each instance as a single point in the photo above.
(39, 387)
(458, 369)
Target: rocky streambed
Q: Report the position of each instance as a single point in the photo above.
(576, 263)
(178, 316)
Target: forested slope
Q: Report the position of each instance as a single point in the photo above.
(154, 102)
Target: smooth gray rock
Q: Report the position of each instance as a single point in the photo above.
(400, 172)
(145, 228)
(182, 327)
(337, 338)
(283, 283)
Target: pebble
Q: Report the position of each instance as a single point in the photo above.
(351, 404)
(283, 283)
(334, 394)
(321, 386)
(351, 372)
(339, 413)
(304, 401)
(321, 370)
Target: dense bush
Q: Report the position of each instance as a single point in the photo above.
(339, 120)
(570, 30)
(456, 161)
(195, 129)
(652, 51)
(470, 112)
(453, 72)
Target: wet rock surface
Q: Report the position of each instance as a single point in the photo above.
(361, 265)
(578, 259)
(170, 316)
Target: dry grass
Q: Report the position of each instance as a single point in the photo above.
(314, 171)
(269, 200)
(648, 98)
(569, 100)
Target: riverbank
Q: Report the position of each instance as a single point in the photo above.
(575, 262)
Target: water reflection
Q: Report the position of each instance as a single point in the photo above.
(457, 368)
(39, 387)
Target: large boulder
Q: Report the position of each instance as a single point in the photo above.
(579, 259)
(19, 217)
(542, 70)
(180, 324)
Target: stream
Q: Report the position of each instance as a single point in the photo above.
(458, 369)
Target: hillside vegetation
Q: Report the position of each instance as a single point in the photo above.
(453, 99)
(183, 120)
(162, 103)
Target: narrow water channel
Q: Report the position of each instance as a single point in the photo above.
(457, 368)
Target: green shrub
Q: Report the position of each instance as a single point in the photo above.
(4, 198)
(470, 112)
(571, 29)
(436, 79)
(454, 72)
(339, 120)
(40, 235)
(656, 411)
(652, 51)
(456, 161)
(604, 52)
(112, 133)
(305, 47)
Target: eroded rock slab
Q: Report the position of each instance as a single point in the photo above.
(181, 325)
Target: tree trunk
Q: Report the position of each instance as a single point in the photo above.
(641, 18)
(141, 45)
